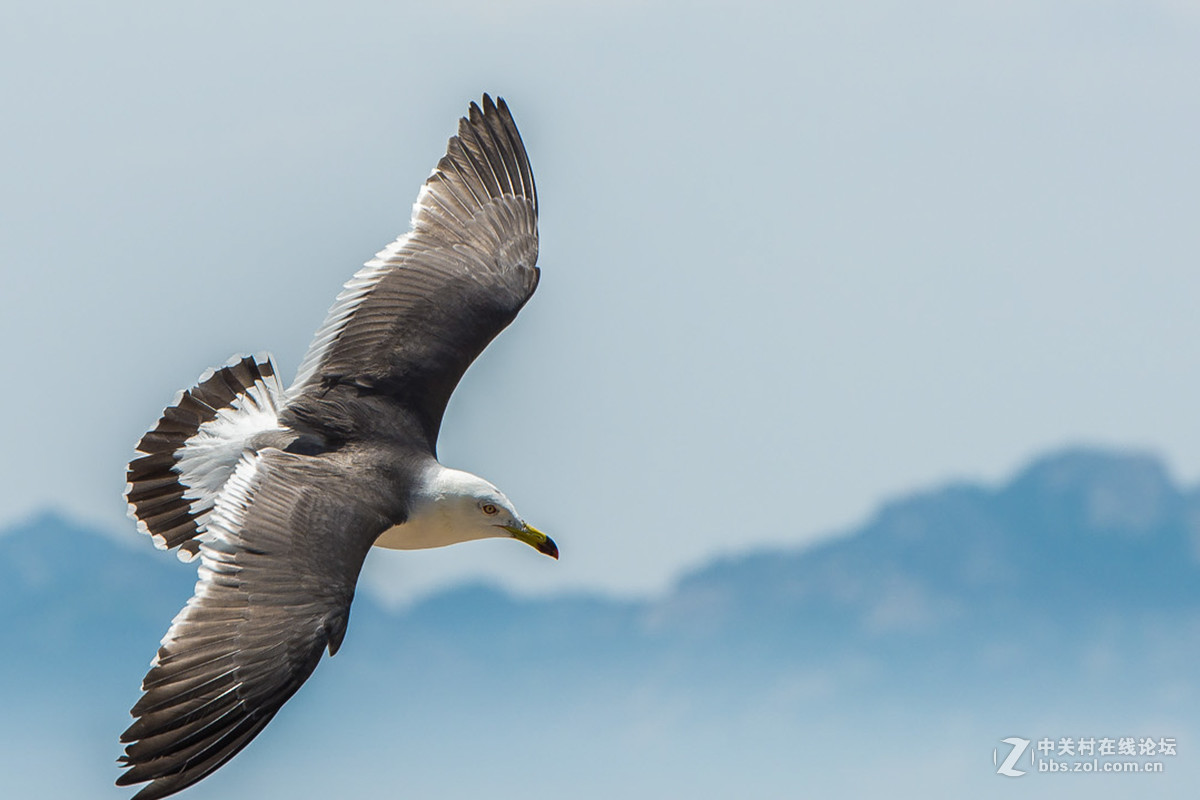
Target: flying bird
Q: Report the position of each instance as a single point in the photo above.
(281, 493)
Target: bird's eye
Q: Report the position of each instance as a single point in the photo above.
(489, 509)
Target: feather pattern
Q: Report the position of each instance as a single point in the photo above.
(410, 322)
(270, 599)
(185, 460)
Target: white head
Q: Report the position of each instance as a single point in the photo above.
(453, 506)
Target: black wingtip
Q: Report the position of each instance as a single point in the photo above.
(486, 107)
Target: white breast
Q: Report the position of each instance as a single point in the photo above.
(443, 510)
(432, 530)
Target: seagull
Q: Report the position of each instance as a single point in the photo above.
(281, 493)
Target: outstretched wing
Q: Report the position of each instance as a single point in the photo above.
(410, 322)
(277, 576)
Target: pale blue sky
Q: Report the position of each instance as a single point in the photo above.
(796, 257)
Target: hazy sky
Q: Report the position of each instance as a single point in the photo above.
(797, 257)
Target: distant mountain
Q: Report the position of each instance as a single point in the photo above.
(1083, 550)
(65, 589)
(1069, 596)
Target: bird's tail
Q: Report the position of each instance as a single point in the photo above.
(183, 463)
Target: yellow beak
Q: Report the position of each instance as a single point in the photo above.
(534, 538)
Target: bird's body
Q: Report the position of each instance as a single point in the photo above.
(282, 493)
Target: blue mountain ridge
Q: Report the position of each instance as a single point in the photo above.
(1078, 576)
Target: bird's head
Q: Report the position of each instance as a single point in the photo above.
(492, 509)
(460, 507)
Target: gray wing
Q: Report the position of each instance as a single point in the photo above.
(410, 322)
(277, 576)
